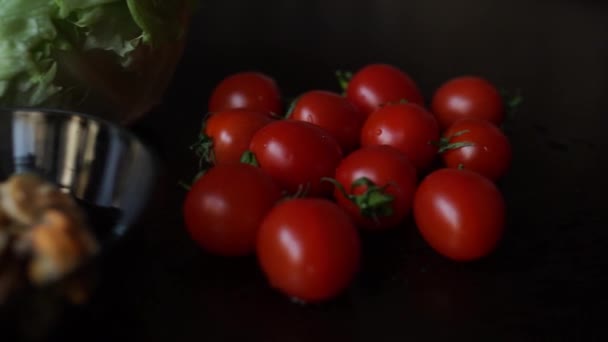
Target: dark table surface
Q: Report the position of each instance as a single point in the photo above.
(547, 280)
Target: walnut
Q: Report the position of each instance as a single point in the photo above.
(49, 196)
(18, 196)
(57, 245)
(44, 226)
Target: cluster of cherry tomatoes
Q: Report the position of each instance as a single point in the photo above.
(294, 185)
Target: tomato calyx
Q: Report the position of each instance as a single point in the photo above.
(203, 149)
(187, 186)
(513, 101)
(292, 106)
(184, 185)
(344, 78)
(302, 192)
(444, 144)
(275, 116)
(374, 203)
(249, 157)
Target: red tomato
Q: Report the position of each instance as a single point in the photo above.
(309, 249)
(246, 90)
(408, 127)
(297, 155)
(460, 213)
(230, 132)
(332, 112)
(378, 84)
(225, 207)
(489, 150)
(467, 97)
(389, 200)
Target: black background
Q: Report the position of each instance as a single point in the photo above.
(547, 280)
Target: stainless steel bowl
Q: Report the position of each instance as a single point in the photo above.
(99, 163)
(107, 169)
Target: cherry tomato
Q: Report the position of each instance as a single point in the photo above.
(229, 133)
(467, 97)
(246, 90)
(393, 179)
(225, 207)
(297, 155)
(460, 213)
(408, 127)
(378, 84)
(332, 112)
(478, 146)
(309, 249)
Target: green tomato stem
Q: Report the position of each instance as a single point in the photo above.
(444, 144)
(248, 157)
(344, 78)
(454, 146)
(291, 108)
(374, 203)
(184, 185)
(203, 149)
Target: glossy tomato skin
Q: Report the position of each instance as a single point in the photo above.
(406, 126)
(297, 154)
(309, 249)
(490, 153)
(378, 84)
(225, 207)
(460, 213)
(467, 97)
(332, 112)
(249, 90)
(383, 165)
(231, 132)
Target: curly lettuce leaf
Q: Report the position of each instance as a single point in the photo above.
(66, 7)
(109, 28)
(26, 68)
(32, 32)
(161, 21)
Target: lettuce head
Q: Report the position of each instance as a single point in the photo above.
(108, 57)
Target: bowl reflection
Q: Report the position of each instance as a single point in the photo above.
(99, 163)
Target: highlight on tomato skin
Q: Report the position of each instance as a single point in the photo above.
(249, 90)
(467, 97)
(332, 112)
(376, 85)
(309, 249)
(460, 214)
(407, 127)
(226, 135)
(297, 155)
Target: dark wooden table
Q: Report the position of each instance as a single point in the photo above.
(546, 282)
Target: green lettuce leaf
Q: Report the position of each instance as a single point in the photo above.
(26, 69)
(109, 28)
(66, 7)
(161, 21)
(32, 32)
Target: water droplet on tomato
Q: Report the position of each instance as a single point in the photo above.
(378, 132)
